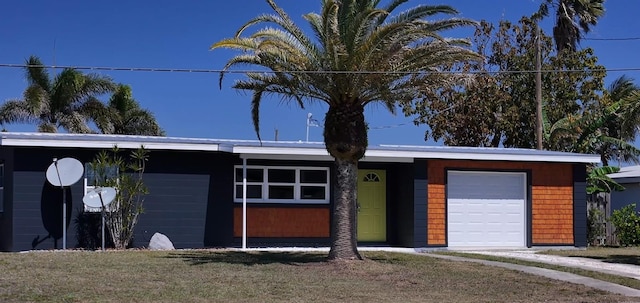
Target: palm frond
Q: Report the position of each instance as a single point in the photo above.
(17, 111)
(36, 74)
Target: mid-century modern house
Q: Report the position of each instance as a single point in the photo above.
(408, 196)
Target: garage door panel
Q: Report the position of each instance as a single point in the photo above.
(486, 209)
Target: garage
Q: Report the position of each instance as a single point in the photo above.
(486, 209)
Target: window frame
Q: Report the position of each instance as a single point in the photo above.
(88, 187)
(297, 185)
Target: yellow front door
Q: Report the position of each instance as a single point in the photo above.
(372, 205)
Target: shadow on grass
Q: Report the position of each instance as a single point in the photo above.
(621, 259)
(248, 258)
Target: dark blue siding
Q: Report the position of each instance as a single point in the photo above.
(177, 207)
(402, 184)
(420, 203)
(580, 205)
(37, 212)
(6, 216)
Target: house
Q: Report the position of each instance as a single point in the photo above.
(629, 177)
(409, 196)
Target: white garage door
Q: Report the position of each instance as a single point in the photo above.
(486, 209)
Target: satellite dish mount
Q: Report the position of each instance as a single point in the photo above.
(100, 197)
(63, 173)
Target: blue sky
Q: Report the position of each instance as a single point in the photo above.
(177, 34)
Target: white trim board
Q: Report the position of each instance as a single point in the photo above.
(312, 151)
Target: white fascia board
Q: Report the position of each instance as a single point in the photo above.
(569, 158)
(259, 152)
(310, 154)
(109, 144)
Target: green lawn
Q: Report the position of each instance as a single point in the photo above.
(625, 255)
(231, 276)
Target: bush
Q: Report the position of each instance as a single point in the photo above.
(627, 224)
(88, 231)
(595, 226)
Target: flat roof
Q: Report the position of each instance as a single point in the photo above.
(291, 150)
(627, 174)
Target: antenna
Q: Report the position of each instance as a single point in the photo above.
(64, 172)
(100, 197)
(311, 122)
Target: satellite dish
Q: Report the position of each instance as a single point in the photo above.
(64, 172)
(100, 196)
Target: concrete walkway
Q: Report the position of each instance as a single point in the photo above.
(552, 274)
(619, 269)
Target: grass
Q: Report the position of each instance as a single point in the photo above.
(630, 282)
(623, 255)
(231, 276)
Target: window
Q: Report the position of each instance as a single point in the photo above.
(279, 184)
(371, 177)
(93, 176)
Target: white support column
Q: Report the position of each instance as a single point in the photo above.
(244, 203)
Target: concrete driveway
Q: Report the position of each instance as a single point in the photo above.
(626, 270)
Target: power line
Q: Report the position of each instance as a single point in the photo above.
(612, 39)
(188, 70)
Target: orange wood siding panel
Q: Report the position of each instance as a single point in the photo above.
(552, 198)
(285, 222)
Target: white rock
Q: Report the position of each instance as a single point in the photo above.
(160, 242)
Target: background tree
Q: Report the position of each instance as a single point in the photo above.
(123, 115)
(495, 107)
(359, 54)
(55, 103)
(573, 17)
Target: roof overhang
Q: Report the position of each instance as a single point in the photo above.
(308, 154)
(309, 151)
(108, 141)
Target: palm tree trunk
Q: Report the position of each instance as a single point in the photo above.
(344, 244)
(345, 136)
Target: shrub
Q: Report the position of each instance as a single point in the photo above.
(122, 214)
(627, 224)
(595, 226)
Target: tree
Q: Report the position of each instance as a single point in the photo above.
(55, 103)
(495, 107)
(572, 18)
(624, 95)
(111, 169)
(360, 55)
(124, 116)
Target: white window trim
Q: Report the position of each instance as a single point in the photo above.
(297, 185)
(88, 188)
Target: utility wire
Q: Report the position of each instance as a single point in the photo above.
(188, 70)
(612, 39)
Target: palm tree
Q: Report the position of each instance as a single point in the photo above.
(360, 55)
(572, 18)
(123, 115)
(588, 133)
(55, 103)
(624, 124)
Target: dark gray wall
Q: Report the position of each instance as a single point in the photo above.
(6, 216)
(175, 207)
(403, 207)
(420, 184)
(37, 212)
(580, 205)
(630, 194)
(190, 199)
